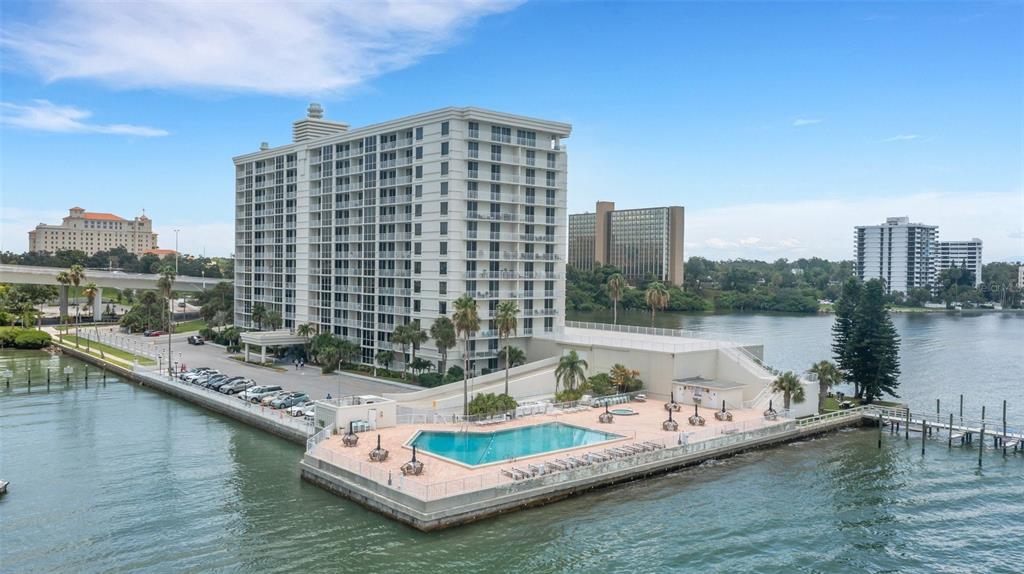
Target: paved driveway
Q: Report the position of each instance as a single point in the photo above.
(308, 379)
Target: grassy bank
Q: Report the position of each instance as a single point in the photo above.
(189, 326)
(95, 347)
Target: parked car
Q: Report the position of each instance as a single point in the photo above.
(230, 380)
(286, 401)
(203, 377)
(192, 373)
(254, 394)
(153, 333)
(237, 386)
(195, 340)
(208, 383)
(265, 401)
(299, 409)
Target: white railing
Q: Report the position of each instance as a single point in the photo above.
(324, 434)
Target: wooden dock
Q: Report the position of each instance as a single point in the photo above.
(956, 430)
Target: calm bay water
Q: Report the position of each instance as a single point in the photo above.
(115, 478)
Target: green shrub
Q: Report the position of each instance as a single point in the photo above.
(489, 404)
(208, 334)
(568, 395)
(599, 385)
(23, 338)
(455, 373)
(431, 380)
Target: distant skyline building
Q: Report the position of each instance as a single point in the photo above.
(357, 231)
(909, 255)
(960, 254)
(92, 232)
(642, 243)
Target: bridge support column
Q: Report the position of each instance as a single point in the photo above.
(97, 305)
(247, 352)
(263, 353)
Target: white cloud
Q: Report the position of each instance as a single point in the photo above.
(824, 227)
(281, 48)
(44, 116)
(902, 138)
(215, 238)
(805, 122)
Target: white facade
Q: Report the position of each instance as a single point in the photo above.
(959, 254)
(901, 253)
(358, 231)
(91, 232)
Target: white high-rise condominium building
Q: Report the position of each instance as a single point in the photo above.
(899, 252)
(960, 254)
(357, 231)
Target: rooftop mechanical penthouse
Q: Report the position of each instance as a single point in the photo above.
(360, 230)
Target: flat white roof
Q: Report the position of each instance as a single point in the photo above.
(637, 341)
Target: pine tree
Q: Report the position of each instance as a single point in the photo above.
(842, 329)
(874, 346)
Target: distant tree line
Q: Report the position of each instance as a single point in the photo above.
(124, 260)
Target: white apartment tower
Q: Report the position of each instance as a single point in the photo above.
(358, 231)
(901, 253)
(960, 254)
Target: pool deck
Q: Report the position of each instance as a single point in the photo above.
(449, 494)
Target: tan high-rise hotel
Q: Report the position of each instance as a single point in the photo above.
(641, 242)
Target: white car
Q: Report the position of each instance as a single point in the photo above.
(255, 394)
(270, 397)
(301, 409)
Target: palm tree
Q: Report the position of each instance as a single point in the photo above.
(571, 370)
(274, 319)
(259, 315)
(76, 275)
(347, 351)
(166, 285)
(306, 330)
(466, 321)
(828, 376)
(656, 297)
(507, 325)
(384, 358)
(64, 278)
(789, 385)
(616, 289)
(89, 292)
(400, 336)
(514, 356)
(443, 333)
(416, 337)
(622, 377)
(328, 358)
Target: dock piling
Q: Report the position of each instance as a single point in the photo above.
(981, 443)
(906, 434)
(950, 430)
(880, 422)
(924, 434)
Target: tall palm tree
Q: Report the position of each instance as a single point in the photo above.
(384, 358)
(400, 336)
(89, 292)
(416, 337)
(789, 385)
(507, 325)
(514, 355)
(259, 315)
(64, 278)
(76, 274)
(828, 376)
(616, 289)
(443, 333)
(166, 286)
(656, 297)
(571, 371)
(306, 331)
(466, 321)
(274, 319)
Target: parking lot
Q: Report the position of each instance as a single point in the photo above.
(307, 380)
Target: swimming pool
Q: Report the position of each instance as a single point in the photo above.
(479, 448)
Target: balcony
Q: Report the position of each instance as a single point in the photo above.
(395, 217)
(405, 198)
(540, 312)
(395, 272)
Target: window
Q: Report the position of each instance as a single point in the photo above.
(444, 208)
(416, 305)
(442, 288)
(444, 128)
(442, 268)
(419, 152)
(418, 229)
(416, 286)
(419, 172)
(416, 267)
(444, 188)
(419, 210)
(419, 133)
(442, 307)
(444, 148)
(417, 248)
(444, 228)
(444, 248)
(444, 168)
(419, 191)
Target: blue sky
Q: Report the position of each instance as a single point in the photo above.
(778, 126)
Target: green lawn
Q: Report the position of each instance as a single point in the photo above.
(106, 349)
(187, 326)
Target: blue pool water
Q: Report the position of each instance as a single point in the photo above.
(475, 448)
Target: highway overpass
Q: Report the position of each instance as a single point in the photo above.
(33, 275)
